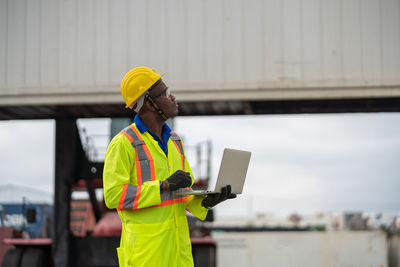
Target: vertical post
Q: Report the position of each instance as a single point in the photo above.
(66, 171)
(93, 199)
(209, 154)
(198, 152)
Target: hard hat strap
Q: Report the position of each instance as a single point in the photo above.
(157, 108)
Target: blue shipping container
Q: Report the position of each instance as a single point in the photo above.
(15, 216)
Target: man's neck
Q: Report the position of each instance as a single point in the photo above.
(153, 123)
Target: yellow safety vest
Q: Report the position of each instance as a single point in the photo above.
(154, 225)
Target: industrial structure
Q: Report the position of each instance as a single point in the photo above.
(64, 60)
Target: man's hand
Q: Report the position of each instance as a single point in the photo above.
(178, 179)
(213, 199)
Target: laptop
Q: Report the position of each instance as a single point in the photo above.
(232, 171)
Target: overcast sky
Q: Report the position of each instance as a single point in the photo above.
(300, 163)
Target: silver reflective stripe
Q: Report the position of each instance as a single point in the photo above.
(181, 149)
(173, 195)
(166, 196)
(142, 156)
(180, 190)
(130, 197)
(178, 142)
(146, 170)
(136, 139)
(175, 137)
(141, 153)
(183, 190)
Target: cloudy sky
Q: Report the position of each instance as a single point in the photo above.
(300, 163)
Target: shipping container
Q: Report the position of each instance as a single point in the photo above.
(37, 226)
(70, 51)
(298, 249)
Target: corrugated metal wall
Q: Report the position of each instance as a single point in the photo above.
(48, 45)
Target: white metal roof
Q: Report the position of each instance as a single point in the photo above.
(14, 194)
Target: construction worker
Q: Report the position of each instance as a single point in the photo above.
(145, 169)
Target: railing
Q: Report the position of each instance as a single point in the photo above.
(94, 152)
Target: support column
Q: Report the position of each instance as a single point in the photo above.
(66, 171)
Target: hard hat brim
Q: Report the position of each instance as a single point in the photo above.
(128, 105)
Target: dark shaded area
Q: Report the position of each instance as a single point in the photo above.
(206, 108)
(94, 251)
(28, 256)
(71, 164)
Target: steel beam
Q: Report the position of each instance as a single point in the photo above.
(208, 108)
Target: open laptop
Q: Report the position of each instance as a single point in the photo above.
(232, 171)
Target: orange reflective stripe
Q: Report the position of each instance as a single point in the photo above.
(127, 136)
(136, 132)
(182, 199)
(145, 169)
(170, 202)
(175, 138)
(138, 169)
(123, 195)
(182, 158)
(148, 154)
(151, 161)
(166, 202)
(136, 200)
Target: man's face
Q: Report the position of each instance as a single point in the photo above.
(164, 99)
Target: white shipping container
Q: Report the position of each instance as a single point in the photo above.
(77, 51)
(299, 249)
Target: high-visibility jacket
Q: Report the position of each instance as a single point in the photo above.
(154, 225)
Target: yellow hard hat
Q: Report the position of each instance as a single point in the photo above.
(136, 82)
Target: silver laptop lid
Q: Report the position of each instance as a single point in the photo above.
(233, 170)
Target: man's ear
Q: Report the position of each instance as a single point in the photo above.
(148, 106)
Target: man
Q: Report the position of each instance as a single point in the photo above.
(144, 170)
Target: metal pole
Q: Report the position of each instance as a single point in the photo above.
(66, 170)
(209, 152)
(198, 165)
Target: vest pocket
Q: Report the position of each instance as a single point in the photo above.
(154, 249)
(130, 249)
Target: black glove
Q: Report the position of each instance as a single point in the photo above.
(179, 179)
(213, 199)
